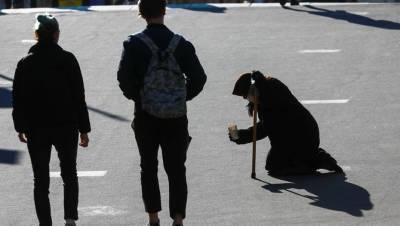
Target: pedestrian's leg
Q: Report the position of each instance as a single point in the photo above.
(39, 147)
(66, 143)
(175, 141)
(147, 139)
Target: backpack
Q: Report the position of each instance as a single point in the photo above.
(164, 86)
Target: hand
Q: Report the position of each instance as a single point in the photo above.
(22, 137)
(84, 140)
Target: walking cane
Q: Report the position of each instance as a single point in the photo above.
(255, 110)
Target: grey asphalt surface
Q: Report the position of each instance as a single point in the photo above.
(362, 135)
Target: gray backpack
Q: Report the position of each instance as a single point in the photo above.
(164, 86)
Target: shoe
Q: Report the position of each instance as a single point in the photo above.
(282, 2)
(294, 2)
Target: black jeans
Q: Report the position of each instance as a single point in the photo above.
(173, 138)
(65, 140)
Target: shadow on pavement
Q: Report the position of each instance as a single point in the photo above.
(5, 98)
(350, 17)
(108, 114)
(329, 191)
(199, 7)
(6, 78)
(9, 156)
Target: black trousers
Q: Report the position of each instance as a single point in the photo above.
(65, 140)
(173, 138)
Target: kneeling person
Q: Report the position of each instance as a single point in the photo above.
(292, 130)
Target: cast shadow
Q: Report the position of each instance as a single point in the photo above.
(330, 191)
(200, 7)
(108, 114)
(5, 98)
(6, 78)
(9, 156)
(350, 17)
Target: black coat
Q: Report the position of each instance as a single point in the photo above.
(48, 90)
(292, 130)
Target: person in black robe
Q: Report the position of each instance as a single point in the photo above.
(290, 127)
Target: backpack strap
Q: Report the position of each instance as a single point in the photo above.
(149, 43)
(174, 43)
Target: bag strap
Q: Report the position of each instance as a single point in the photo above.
(153, 47)
(174, 43)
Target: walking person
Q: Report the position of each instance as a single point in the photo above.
(290, 127)
(49, 109)
(159, 71)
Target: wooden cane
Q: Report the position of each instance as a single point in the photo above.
(253, 163)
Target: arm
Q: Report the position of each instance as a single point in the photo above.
(20, 121)
(246, 135)
(127, 83)
(194, 72)
(78, 92)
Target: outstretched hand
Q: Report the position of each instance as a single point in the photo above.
(84, 140)
(22, 137)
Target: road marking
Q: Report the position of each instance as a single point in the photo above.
(82, 174)
(360, 13)
(346, 168)
(100, 211)
(5, 83)
(342, 101)
(319, 51)
(28, 41)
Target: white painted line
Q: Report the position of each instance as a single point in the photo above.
(360, 13)
(100, 211)
(343, 101)
(29, 41)
(319, 51)
(5, 83)
(83, 174)
(346, 168)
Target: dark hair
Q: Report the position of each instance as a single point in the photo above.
(152, 8)
(45, 27)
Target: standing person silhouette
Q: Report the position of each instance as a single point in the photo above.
(159, 71)
(49, 108)
(290, 127)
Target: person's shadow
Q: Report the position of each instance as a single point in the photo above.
(329, 191)
(350, 17)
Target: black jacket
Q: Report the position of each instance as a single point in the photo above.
(136, 58)
(48, 90)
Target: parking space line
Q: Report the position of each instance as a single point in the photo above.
(83, 174)
(5, 83)
(319, 51)
(28, 41)
(339, 101)
(346, 168)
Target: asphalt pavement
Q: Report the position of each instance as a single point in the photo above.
(322, 52)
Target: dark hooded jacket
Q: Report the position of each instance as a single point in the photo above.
(48, 90)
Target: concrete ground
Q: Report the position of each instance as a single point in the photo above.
(322, 52)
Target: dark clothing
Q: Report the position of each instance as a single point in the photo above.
(173, 138)
(65, 140)
(152, 132)
(136, 58)
(292, 130)
(49, 107)
(48, 90)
